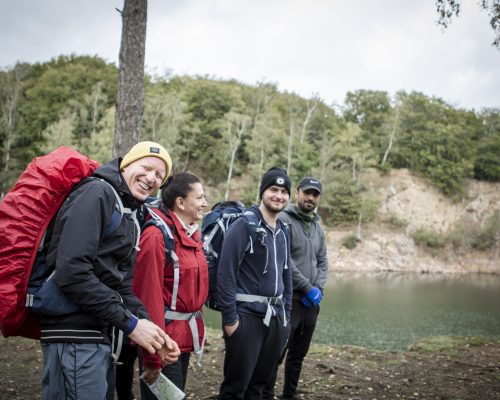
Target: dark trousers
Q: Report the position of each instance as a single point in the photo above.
(252, 351)
(303, 325)
(125, 372)
(176, 372)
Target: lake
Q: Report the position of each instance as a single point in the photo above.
(390, 311)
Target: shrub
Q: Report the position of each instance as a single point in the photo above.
(426, 237)
(468, 233)
(489, 235)
(397, 222)
(350, 241)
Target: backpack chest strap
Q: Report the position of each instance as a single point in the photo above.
(193, 325)
(269, 301)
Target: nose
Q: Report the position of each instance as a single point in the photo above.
(150, 176)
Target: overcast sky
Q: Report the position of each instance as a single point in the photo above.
(324, 47)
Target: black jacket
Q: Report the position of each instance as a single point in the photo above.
(93, 270)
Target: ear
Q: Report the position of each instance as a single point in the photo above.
(179, 202)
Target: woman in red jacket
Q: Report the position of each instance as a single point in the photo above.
(172, 291)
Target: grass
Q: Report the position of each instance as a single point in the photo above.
(446, 343)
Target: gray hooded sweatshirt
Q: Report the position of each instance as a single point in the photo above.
(308, 251)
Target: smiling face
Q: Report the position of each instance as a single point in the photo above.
(275, 198)
(144, 176)
(308, 200)
(190, 208)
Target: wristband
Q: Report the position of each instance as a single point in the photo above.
(132, 323)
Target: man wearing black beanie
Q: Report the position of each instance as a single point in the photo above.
(275, 176)
(254, 291)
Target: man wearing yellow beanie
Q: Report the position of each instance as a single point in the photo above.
(91, 250)
(145, 168)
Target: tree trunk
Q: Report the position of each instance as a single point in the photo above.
(310, 111)
(129, 101)
(391, 137)
(261, 171)
(291, 139)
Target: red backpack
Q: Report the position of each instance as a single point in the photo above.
(25, 213)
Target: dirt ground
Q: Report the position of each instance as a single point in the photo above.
(436, 368)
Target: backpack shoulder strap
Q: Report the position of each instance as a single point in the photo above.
(120, 210)
(169, 240)
(254, 225)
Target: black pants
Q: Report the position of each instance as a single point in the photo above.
(176, 372)
(252, 351)
(303, 325)
(125, 372)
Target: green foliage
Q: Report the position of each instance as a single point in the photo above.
(342, 201)
(70, 100)
(429, 238)
(435, 140)
(371, 110)
(350, 241)
(487, 163)
(397, 222)
(58, 102)
(99, 145)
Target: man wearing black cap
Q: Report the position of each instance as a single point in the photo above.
(254, 286)
(309, 265)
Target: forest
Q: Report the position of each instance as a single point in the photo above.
(229, 132)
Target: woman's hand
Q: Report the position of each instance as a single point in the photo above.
(170, 352)
(150, 375)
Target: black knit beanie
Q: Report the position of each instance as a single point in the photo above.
(275, 176)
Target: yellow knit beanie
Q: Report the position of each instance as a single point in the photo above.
(148, 149)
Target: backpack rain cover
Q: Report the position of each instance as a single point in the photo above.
(25, 213)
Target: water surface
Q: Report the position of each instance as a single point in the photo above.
(390, 311)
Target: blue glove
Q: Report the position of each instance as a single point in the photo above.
(306, 302)
(314, 296)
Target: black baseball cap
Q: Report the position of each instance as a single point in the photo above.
(310, 183)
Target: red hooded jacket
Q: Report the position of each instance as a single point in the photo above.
(153, 282)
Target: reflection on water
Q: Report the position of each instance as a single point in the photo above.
(392, 310)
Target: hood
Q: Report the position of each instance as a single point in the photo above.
(291, 210)
(110, 172)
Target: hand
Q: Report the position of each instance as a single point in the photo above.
(170, 352)
(314, 295)
(150, 375)
(148, 335)
(231, 328)
(306, 302)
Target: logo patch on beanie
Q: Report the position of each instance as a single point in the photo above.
(155, 150)
(280, 181)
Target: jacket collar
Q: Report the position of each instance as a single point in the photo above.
(110, 172)
(291, 210)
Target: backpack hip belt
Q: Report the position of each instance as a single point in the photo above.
(191, 319)
(269, 301)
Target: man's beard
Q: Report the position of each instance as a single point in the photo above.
(272, 209)
(307, 207)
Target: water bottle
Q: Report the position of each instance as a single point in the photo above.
(164, 389)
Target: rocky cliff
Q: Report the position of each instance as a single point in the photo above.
(406, 204)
